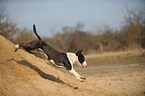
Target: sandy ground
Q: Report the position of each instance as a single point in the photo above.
(23, 74)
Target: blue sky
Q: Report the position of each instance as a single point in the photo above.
(55, 14)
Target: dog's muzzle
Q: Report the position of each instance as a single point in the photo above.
(84, 64)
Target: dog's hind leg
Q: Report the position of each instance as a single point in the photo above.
(56, 64)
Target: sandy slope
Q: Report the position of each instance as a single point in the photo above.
(23, 74)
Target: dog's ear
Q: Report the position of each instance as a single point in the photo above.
(79, 52)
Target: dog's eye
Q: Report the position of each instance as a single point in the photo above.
(81, 58)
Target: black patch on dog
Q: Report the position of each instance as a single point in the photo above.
(81, 57)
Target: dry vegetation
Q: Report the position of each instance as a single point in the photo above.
(129, 37)
(121, 57)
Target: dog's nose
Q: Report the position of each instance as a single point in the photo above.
(84, 64)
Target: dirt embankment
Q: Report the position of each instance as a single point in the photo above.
(23, 74)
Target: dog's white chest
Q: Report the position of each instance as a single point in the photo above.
(72, 57)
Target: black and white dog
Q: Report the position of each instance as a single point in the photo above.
(55, 57)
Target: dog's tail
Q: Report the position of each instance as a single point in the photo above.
(34, 29)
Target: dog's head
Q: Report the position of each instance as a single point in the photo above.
(81, 58)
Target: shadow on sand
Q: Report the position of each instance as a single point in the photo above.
(40, 72)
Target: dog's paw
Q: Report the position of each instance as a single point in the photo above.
(81, 79)
(84, 78)
(16, 47)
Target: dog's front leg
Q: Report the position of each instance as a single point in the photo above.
(79, 77)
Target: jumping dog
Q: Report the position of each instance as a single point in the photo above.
(55, 57)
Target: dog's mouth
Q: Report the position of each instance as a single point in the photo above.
(84, 64)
